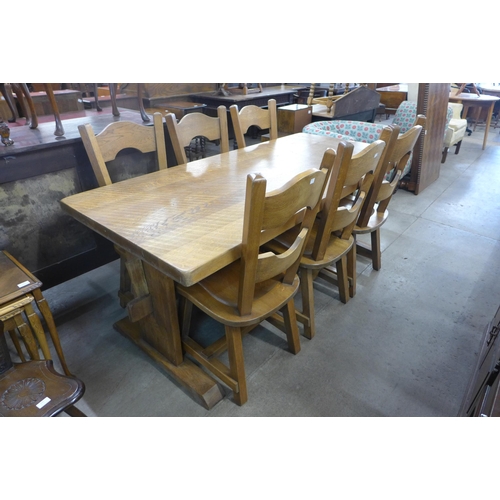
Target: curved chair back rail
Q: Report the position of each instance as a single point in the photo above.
(197, 125)
(254, 115)
(103, 147)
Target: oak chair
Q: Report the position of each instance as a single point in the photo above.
(374, 212)
(330, 251)
(245, 293)
(104, 147)
(254, 115)
(194, 125)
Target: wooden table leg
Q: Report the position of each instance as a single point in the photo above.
(144, 116)
(29, 113)
(153, 325)
(10, 103)
(55, 110)
(112, 93)
(488, 123)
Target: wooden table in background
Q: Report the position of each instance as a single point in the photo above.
(181, 225)
(478, 103)
(392, 96)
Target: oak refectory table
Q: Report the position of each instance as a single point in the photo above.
(181, 225)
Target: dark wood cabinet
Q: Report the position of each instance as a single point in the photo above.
(482, 398)
(293, 118)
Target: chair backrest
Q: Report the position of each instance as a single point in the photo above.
(115, 137)
(399, 148)
(352, 177)
(254, 115)
(296, 203)
(405, 116)
(197, 125)
(456, 108)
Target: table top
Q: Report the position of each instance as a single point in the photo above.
(237, 97)
(402, 87)
(187, 221)
(470, 98)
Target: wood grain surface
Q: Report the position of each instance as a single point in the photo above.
(186, 221)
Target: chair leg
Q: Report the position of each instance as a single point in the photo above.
(445, 154)
(343, 280)
(351, 270)
(457, 147)
(73, 411)
(236, 363)
(291, 328)
(376, 252)
(307, 297)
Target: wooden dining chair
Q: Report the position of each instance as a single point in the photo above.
(32, 388)
(254, 116)
(197, 125)
(245, 293)
(102, 148)
(330, 251)
(374, 212)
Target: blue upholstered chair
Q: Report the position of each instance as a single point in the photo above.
(346, 130)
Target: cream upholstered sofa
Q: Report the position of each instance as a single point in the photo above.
(455, 130)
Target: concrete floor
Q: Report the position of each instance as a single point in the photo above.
(404, 346)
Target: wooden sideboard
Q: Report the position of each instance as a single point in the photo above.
(392, 96)
(482, 398)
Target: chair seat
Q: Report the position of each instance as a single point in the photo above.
(217, 296)
(336, 249)
(346, 129)
(35, 389)
(458, 124)
(376, 220)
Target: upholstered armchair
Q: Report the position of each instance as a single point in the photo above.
(455, 130)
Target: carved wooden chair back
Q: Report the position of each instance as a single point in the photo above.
(250, 290)
(274, 213)
(399, 158)
(254, 115)
(353, 176)
(197, 125)
(374, 212)
(115, 137)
